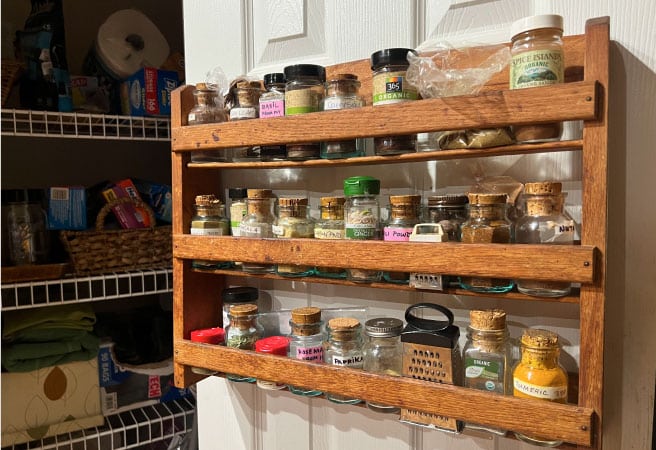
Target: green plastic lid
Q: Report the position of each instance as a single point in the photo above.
(361, 186)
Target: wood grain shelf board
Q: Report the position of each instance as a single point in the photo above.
(487, 110)
(516, 261)
(570, 423)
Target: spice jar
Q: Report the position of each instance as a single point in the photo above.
(383, 352)
(272, 104)
(208, 109)
(544, 223)
(362, 218)
(303, 94)
(274, 345)
(537, 60)
(242, 332)
(237, 208)
(538, 375)
(258, 223)
(450, 211)
(235, 296)
(212, 336)
(209, 220)
(244, 99)
(487, 223)
(342, 92)
(330, 226)
(344, 349)
(28, 241)
(405, 211)
(389, 68)
(293, 222)
(306, 341)
(487, 356)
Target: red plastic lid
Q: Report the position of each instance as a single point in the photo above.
(214, 336)
(276, 345)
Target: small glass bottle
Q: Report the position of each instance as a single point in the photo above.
(544, 223)
(208, 109)
(293, 222)
(28, 241)
(303, 94)
(362, 219)
(539, 375)
(383, 352)
(209, 220)
(330, 226)
(342, 93)
(344, 349)
(212, 336)
(272, 104)
(389, 68)
(306, 341)
(450, 211)
(237, 208)
(537, 60)
(242, 332)
(487, 223)
(235, 296)
(487, 356)
(405, 212)
(258, 223)
(245, 98)
(274, 345)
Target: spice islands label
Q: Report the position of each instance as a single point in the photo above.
(536, 68)
(553, 393)
(392, 87)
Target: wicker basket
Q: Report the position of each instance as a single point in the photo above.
(102, 251)
(10, 71)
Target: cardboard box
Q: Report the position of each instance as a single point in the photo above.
(50, 401)
(67, 208)
(128, 215)
(159, 197)
(148, 92)
(124, 387)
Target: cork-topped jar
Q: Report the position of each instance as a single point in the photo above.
(258, 223)
(330, 226)
(342, 92)
(405, 212)
(209, 220)
(344, 349)
(208, 109)
(242, 332)
(293, 221)
(306, 342)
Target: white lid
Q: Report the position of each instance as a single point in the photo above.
(536, 22)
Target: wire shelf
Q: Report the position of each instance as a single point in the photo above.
(129, 429)
(86, 289)
(22, 122)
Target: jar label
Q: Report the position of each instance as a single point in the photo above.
(243, 113)
(208, 232)
(562, 233)
(359, 231)
(542, 392)
(326, 233)
(301, 101)
(536, 68)
(272, 108)
(484, 375)
(191, 117)
(354, 361)
(396, 234)
(341, 103)
(249, 230)
(391, 87)
(310, 353)
(277, 230)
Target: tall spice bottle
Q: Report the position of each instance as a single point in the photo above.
(306, 342)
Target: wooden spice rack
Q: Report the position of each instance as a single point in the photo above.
(582, 97)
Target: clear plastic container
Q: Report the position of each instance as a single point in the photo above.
(26, 227)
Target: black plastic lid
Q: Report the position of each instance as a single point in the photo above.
(23, 195)
(237, 193)
(391, 56)
(240, 294)
(305, 70)
(274, 78)
(448, 200)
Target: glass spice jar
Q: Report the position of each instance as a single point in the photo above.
(212, 336)
(389, 68)
(362, 218)
(544, 223)
(274, 345)
(293, 222)
(208, 109)
(272, 104)
(342, 93)
(258, 223)
(450, 211)
(245, 97)
(487, 356)
(344, 349)
(404, 215)
(237, 208)
(209, 220)
(487, 223)
(242, 332)
(537, 60)
(235, 296)
(383, 353)
(306, 341)
(330, 226)
(539, 375)
(303, 94)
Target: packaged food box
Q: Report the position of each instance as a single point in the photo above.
(148, 92)
(67, 208)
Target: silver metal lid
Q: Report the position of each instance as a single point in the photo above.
(383, 327)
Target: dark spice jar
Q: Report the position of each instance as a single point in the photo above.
(450, 211)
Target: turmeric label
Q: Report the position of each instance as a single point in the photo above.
(552, 393)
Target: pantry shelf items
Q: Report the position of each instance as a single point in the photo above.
(580, 97)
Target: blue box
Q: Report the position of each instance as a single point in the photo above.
(67, 208)
(148, 92)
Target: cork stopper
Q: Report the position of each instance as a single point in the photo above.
(306, 315)
(405, 199)
(292, 201)
(486, 199)
(343, 324)
(248, 93)
(539, 338)
(207, 200)
(259, 193)
(488, 320)
(201, 87)
(543, 188)
(243, 309)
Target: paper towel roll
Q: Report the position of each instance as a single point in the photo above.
(127, 41)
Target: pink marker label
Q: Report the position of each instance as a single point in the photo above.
(272, 108)
(396, 234)
(309, 353)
